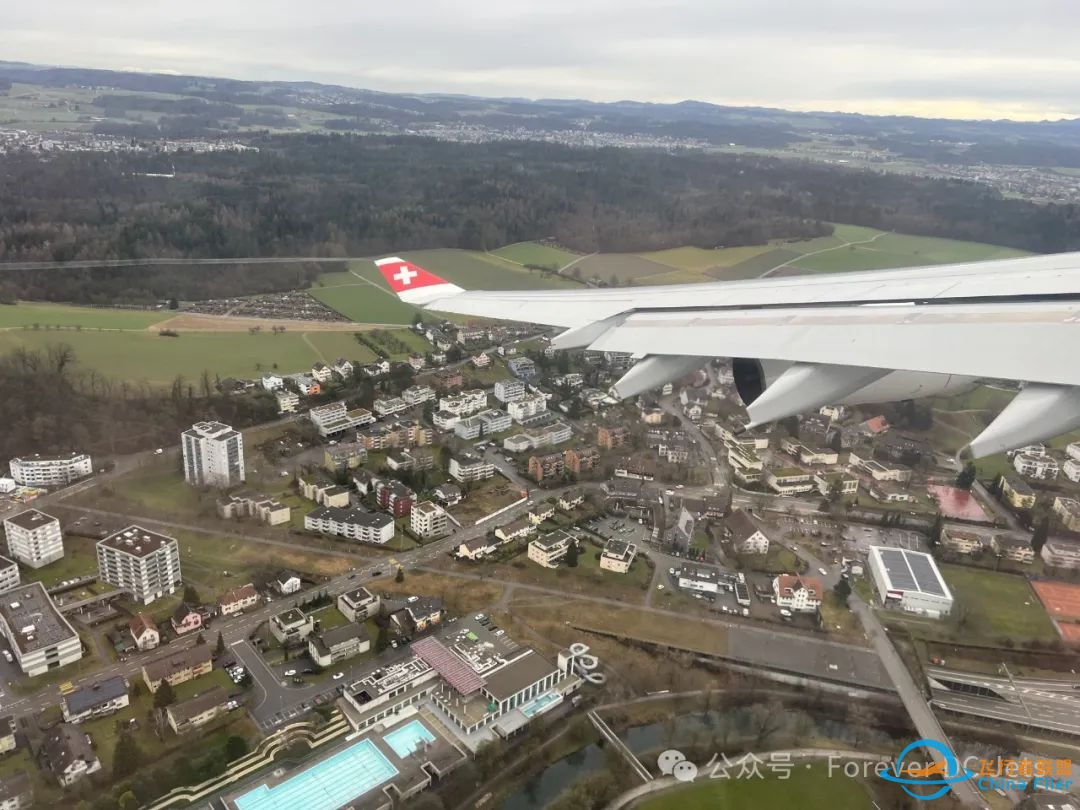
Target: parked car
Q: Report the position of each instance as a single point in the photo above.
(290, 672)
(338, 676)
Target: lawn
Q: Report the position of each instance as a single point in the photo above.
(754, 266)
(535, 253)
(485, 498)
(997, 605)
(163, 491)
(700, 259)
(484, 271)
(80, 559)
(147, 357)
(807, 788)
(362, 296)
(46, 315)
(622, 267)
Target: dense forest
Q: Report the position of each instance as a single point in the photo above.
(51, 405)
(341, 195)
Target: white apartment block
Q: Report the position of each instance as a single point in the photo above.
(550, 549)
(444, 420)
(287, 401)
(789, 481)
(353, 524)
(1071, 469)
(40, 638)
(510, 389)
(470, 467)
(34, 538)
(336, 418)
(494, 421)
(526, 407)
(213, 455)
(418, 394)
(1036, 466)
(50, 471)
(143, 563)
(390, 406)
(464, 403)
(428, 519)
(880, 470)
(272, 382)
(1060, 552)
(9, 574)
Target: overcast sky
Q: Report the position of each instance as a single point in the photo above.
(955, 58)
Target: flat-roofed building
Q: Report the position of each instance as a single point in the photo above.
(509, 390)
(962, 541)
(1068, 510)
(470, 467)
(1061, 552)
(213, 455)
(1042, 467)
(1014, 549)
(143, 563)
(34, 538)
(909, 580)
(618, 556)
(880, 470)
(789, 481)
(9, 575)
(428, 519)
(358, 605)
(291, 626)
(550, 549)
(50, 471)
(355, 524)
(197, 711)
(40, 638)
(1017, 492)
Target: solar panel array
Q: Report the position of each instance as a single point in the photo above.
(911, 571)
(456, 672)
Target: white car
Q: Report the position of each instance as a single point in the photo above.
(158, 452)
(290, 672)
(338, 676)
(7, 656)
(823, 572)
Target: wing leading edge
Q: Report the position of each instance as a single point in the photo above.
(1010, 319)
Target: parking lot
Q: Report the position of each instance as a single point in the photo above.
(620, 528)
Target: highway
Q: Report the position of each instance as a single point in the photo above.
(1053, 705)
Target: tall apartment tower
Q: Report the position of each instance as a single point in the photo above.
(213, 455)
(143, 563)
(34, 538)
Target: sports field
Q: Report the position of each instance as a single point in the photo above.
(146, 356)
(536, 253)
(1062, 599)
(806, 788)
(998, 605)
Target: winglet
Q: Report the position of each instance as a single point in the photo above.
(412, 283)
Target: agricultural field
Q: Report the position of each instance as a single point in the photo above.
(147, 357)
(536, 253)
(624, 268)
(46, 316)
(362, 296)
(997, 605)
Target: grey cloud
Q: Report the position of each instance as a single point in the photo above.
(973, 57)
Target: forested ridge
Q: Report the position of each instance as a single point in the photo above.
(347, 195)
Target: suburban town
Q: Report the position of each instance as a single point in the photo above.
(422, 571)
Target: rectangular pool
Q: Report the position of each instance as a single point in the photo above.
(408, 738)
(326, 785)
(539, 704)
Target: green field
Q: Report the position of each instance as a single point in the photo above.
(362, 296)
(48, 315)
(998, 605)
(483, 271)
(535, 253)
(808, 789)
(145, 356)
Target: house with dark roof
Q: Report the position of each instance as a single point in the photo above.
(66, 752)
(198, 711)
(178, 667)
(16, 791)
(103, 698)
(287, 582)
(339, 643)
(186, 619)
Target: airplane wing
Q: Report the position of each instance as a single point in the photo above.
(805, 341)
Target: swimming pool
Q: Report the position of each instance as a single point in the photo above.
(326, 785)
(539, 704)
(408, 738)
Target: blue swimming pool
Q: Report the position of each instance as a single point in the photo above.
(326, 785)
(406, 739)
(538, 705)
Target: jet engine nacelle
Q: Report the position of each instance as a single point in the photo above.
(753, 376)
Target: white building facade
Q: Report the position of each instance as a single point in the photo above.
(213, 455)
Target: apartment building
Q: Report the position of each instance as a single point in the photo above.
(197, 711)
(143, 563)
(1014, 549)
(9, 576)
(1061, 552)
(256, 505)
(16, 791)
(1016, 492)
(444, 420)
(98, 700)
(526, 407)
(611, 437)
(618, 556)
(213, 455)
(237, 600)
(1071, 468)
(41, 639)
(324, 493)
(395, 498)
(550, 549)
(879, 470)
(287, 401)
(470, 467)
(428, 519)
(547, 467)
(465, 402)
(798, 594)
(509, 389)
(571, 499)
(418, 394)
(178, 666)
(389, 406)
(34, 538)
(1041, 467)
(494, 421)
(344, 456)
(826, 482)
(1068, 510)
(338, 644)
(515, 530)
(354, 524)
(68, 755)
(961, 541)
(50, 471)
(335, 418)
(358, 605)
(321, 373)
(449, 380)
(579, 460)
(292, 626)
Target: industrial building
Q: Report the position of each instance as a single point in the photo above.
(909, 580)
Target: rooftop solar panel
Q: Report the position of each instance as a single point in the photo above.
(896, 567)
(925, 575)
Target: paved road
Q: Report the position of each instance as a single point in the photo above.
(717, 470)
(1048, 704)
(926, 724)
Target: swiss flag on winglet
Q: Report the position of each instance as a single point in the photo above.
(402, 275)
